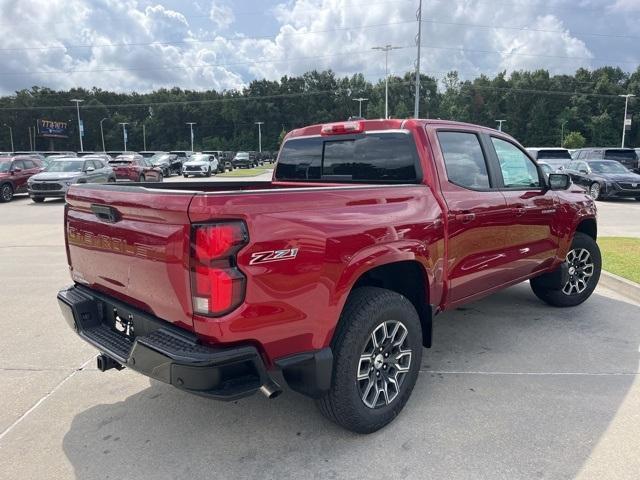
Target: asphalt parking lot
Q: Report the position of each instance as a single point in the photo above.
(512, 389)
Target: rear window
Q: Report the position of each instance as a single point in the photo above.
(374, 157)
(554, 154)
(620, 155)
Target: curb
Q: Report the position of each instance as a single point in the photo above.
(620, 285)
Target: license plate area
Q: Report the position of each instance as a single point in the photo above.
(122, 322)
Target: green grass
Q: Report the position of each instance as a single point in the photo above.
(621, 256)
(244, 172)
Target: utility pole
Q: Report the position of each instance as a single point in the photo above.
(360, 100)
(500, 122)
(386, 50)
(191, 124)
(124, 134)
(624, 121)
(416, 108)
(259, 135)
(30, 141)
(80, 129)
(102, 134)
(144, 137)
(562, 124)
(10, 136)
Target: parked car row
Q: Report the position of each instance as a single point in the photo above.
(603, 172)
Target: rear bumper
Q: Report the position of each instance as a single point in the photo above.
(159, 350)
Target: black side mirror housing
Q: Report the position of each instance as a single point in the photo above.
(559, 181)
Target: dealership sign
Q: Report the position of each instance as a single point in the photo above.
(51, 129)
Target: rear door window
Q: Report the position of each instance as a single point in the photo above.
(464, 160)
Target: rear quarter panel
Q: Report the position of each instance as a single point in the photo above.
(294, 305)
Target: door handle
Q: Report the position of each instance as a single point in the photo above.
(466, 217)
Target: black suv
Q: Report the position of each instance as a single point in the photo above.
(626, 156)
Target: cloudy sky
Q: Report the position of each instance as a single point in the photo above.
(140, 45)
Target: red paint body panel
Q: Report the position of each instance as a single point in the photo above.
(340, 232)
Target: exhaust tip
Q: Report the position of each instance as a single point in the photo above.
(271, 390)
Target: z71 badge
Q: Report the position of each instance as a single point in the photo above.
(273, 256)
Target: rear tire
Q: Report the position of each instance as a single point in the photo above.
(37, 199)
(185, 175)
(6, 192)
(377, 352)
(585, 264)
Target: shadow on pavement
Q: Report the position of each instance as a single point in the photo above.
(494, 423)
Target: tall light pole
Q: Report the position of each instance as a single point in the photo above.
(624, 121)
(416, 108)
(80, 132)
(10, 136)
(562, 124)
(102, 133)
(30, 141)
(259, 135)
(500, 122)
(386, 50)
(360, 100)
(124, 134)
(144, 137)
(191, 124)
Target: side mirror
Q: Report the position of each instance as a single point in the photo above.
(582, 170)
(559, 181)
(89, 169)
(16, 170)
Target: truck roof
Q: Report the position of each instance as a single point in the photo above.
(382, 124)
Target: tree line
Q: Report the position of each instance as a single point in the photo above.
(539, 109)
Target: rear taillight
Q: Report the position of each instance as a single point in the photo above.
(216, 282)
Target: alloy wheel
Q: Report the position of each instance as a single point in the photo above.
(581, 269)
(594, 190)
(384, 363)
(7, 193)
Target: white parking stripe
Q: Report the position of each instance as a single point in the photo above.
(39, 402)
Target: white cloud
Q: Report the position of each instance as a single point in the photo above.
(141, 46)
(221, 15)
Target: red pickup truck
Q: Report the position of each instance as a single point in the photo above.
(328, 277)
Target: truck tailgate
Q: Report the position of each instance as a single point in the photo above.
(132, 244)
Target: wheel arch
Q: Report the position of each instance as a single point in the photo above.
(588, 226)
(409, 279)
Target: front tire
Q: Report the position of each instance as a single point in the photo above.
(377, 352)
(6, 193)
(584, 263)
(594, 190)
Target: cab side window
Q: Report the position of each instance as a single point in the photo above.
(518, 170)
(464, 160)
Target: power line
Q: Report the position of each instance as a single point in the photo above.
(196, 42)
(534, 55)
(187, 67)
(301, 94)
(529, 29)
(262, 12)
